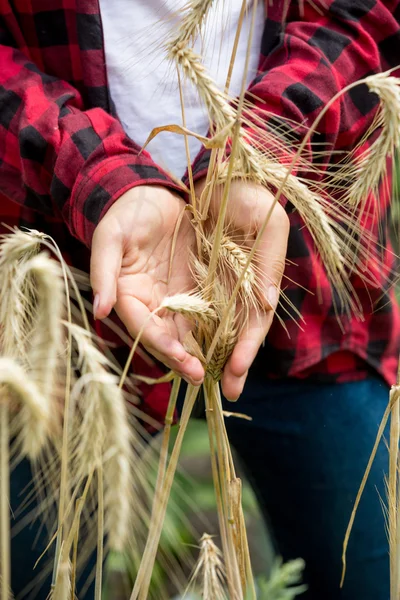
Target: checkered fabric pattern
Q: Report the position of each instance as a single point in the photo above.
(65, 158)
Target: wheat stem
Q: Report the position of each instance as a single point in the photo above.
(224, 473)
(142, 583)
(162, 465)
(75, 551)
(100, 533)
(218, 488)
(393, 492)
(360, 492)
(62, 588)
(4, 501)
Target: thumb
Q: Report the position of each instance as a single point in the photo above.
(105, 266)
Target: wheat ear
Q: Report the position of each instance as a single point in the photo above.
(15, 307)
(232, 260)
(209, 571)
(191, 64)
(14, 250)
(35, 420)
(45, 343)
(194, 15)
(118, 470)
(252, 164)
(191, 306)
(105, 437)
(368, 170)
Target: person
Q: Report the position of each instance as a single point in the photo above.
(75, 110)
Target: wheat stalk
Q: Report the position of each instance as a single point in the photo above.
(5, 573)
(142, 583)
(393, 493)
(63, 588)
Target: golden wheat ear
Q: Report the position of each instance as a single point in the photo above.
(104, 437)
(209, 576)
(32, 411)
(364, 173)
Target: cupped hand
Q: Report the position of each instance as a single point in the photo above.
(131, 270)
(249, 205)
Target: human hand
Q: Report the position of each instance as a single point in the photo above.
(131, 271)
(249, 205)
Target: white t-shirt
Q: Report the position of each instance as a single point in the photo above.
(144, 85)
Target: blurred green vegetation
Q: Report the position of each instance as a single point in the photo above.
(193, 493)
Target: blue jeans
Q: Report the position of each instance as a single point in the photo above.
(305, 451)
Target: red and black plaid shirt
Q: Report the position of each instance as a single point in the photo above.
(65, 158)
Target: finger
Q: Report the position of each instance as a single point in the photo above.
(244, 353)
(156, 337)
(105, 266)
(191, 370)
(232, 387)
(271, 257)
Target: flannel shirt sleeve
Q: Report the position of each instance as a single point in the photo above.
(306, 61)
(56, 157)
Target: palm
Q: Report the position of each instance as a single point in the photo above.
(158, 269)
(154, 237)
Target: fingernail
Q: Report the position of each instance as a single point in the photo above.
(191, 381)
(96, 303)
(233, 399)
(272, 297)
